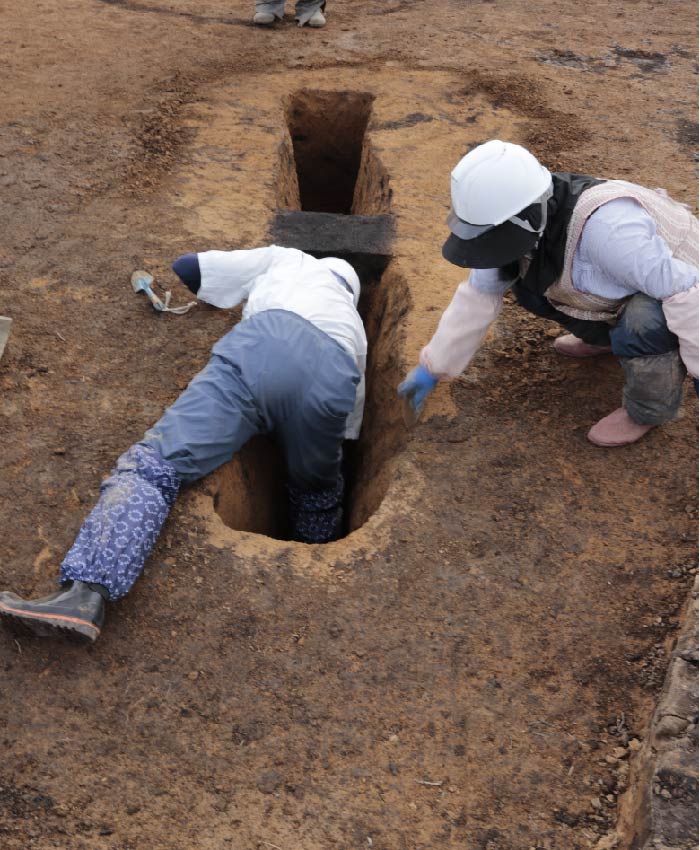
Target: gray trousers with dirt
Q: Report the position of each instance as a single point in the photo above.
(648, 353)
(303, 9)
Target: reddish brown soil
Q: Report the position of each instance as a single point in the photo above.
(453, 674)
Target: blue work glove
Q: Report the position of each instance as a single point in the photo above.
(417, 386)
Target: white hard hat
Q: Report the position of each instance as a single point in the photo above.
(344, 270)
(489, 187)
(495, 181)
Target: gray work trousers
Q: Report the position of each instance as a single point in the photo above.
(275, 374)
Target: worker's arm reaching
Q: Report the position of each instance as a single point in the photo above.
(464, 324)
(462, 328)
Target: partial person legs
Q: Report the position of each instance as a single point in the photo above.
(109, 551)
(118, 535)
(316, 516)
(648, 353)
(208, 423)
(310, 12)
(274, 373)
(266, 13)
(307, 12)
(317, 381)
(313, 444)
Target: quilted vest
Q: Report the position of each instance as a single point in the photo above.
(675, 224)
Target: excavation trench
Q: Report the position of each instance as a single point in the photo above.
(334, 200)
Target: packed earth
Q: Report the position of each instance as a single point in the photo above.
(476, 664)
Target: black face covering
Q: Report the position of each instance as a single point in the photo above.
(492, 249)
(547, 261)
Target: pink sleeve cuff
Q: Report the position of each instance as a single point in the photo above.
(462, 328)
(681, 312)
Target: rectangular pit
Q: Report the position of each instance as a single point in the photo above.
(334, 196)
(327, 130)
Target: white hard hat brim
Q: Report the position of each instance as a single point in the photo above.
(463, 229)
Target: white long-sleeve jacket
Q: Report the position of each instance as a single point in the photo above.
(619, 254)
(276, 278)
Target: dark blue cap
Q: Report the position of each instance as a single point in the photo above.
(186, 268)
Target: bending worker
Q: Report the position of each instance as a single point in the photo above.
(614, 263)
(293, 368)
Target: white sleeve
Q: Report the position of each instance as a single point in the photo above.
(682, 318)
(620, 239)
(494, 281)
(228, 276)
(462, 328)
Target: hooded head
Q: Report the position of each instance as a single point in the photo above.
(345, 271)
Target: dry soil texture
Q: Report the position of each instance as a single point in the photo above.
(465, 669)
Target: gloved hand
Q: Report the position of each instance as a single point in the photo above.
(417, 386)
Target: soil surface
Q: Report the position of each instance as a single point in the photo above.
(475, 664)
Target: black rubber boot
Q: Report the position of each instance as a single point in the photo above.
(77, 611)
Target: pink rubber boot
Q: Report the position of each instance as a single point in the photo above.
(572, 346)
(617, 429)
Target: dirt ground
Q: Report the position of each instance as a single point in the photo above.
(471, 666)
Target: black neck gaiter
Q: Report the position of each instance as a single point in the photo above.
(548, 258)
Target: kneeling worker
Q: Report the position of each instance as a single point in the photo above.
(612, 262)
(293, 367)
